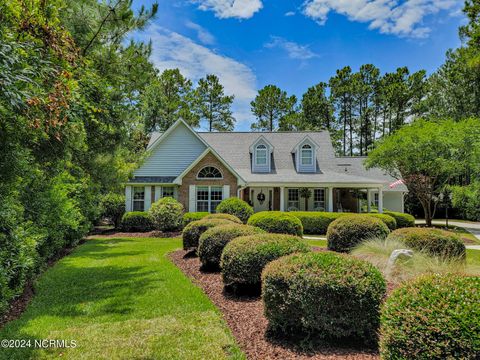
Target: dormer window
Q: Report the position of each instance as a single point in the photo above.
(261, 155)
(306, 155)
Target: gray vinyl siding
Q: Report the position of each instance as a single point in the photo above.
(173, 155)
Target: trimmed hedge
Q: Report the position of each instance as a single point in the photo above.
(166, 214)
(325, 295)
(277, 222)
(348, 231)
(435, 242)
(244, 258)
(213, 241)
(316, 222)
(237, 207)
(387, 219)
(229, 217)
(433, 317)
(137, 221)
(192, 232)
(193, 216)
(403, 220)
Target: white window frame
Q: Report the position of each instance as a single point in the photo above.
(138, 200)
(317, 203)
(211, 203)
(259, 149)
(306, 148)
(169, 188)
(293, 203)
(210, 178)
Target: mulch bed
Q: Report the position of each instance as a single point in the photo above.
(244, 316)
(114, 234)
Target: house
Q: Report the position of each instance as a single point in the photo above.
(266, 169)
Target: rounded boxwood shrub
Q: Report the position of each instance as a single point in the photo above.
(316, 222)
(244, 258)
(229, 217)
(277, 222)
(348, 231)
(213, 241)
(167, 214)
(325, 295)
(193, 216)
(433, 317)
(192, 232)
(237, 207)
(435, 242)
(137, 221)
(403, 220)
(387, 219)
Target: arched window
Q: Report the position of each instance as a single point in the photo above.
(209, 172)
(306, 155)
(261, 155)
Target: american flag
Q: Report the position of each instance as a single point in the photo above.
(396, 183)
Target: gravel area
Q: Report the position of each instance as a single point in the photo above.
(244, 316)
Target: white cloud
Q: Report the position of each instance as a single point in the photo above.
(172, 50)
(203, 34)
(290, 13)
(294, 50)
(241, 9)
(388, 16)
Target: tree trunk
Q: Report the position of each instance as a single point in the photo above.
(427, 210)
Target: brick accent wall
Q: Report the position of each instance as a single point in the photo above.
(191, 179)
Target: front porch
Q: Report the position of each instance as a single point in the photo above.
(313, 198)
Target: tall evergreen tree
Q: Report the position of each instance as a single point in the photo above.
(317, 108)
(212, 105)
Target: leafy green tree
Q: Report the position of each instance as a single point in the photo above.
(166, 99)
(427, 156)
(270, 107)
(212, 105)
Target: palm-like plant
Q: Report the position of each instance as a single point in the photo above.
(306, 194)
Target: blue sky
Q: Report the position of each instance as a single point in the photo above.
(295, 44)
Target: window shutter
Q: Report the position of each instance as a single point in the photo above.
(158, 192)
(148, 198)
(226, 191)
(128, 198)
(192, 199)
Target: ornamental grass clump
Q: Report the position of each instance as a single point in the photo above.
(277, 222)
(348, 231)
(323, 295)
(213, 241)
(432, 317)
(237, 207)
(192, 232)
(244, 258)
(432, 241)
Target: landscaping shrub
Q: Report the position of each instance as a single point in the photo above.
(387, 219)
(237, 207)
(137, 221)
(112, 207)
(348, 231)
(325, 295)
(316, 222)
(277, 222)
(433, 317)
(192, 232)
(435, 242)
(402, 219)
(213, 241)
(244, 258)
(166, 214)
(193, 216)
(229, 217)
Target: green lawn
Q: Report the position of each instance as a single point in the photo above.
(122, 299)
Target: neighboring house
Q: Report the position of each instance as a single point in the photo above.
(266, 169)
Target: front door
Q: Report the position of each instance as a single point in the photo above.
(262, 198)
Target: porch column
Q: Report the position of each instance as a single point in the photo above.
(330, 199)
(282, 199)
(380, 200)
(369, 200)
